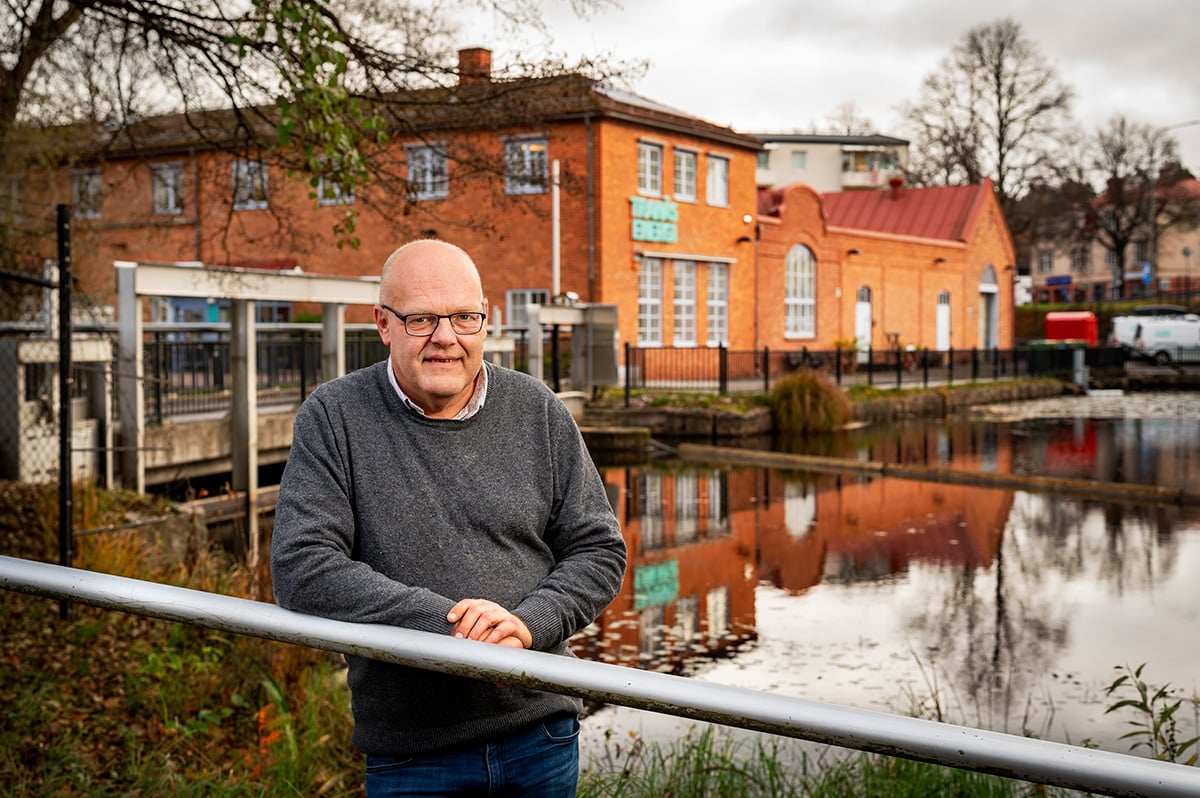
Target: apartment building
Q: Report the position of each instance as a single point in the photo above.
(830, 163)
(1089, 271)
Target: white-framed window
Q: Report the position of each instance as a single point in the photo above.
(717, 180)
(687, 507)
(800, 293)
(86, 192)
(526, 168)
(515, 300)
(1079, 260)
(799, 509)
(686, 619)
(650, 511)
(166, 187)
(330, 190)
(685, 176)
(717, 497)
(1140, 253)
(717, 304)
(799, 160)
(718, 612)
(651, 623)
(249, 185)
(650, 290)
(650, 162)
(1110, 257)
(685, 303)
(428, 177)
(1045, 262)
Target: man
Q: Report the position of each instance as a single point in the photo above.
(436, 492)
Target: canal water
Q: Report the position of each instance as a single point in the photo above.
(999, 609)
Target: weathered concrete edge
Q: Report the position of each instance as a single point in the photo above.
(1110, 491)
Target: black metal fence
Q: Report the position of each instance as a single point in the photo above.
(731, 371)
(190, 372)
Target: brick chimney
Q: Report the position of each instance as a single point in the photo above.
(474, 65)
(896, 186)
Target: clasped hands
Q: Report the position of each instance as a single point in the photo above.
(487, 621)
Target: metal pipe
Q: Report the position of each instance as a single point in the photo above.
(1007, 755)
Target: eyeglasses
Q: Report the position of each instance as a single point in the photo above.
(424, 324)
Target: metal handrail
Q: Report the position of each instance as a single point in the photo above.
(1011, 756)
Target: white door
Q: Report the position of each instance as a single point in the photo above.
(942, 321)
(862, 323)
(989, 310)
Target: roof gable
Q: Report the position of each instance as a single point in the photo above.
(941, 212)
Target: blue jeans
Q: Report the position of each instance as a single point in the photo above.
(539, 761)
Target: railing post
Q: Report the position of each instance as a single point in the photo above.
(950, 366)
(899, 367)
(870, 364)
(766, 359)
(723, 370)
(837, 364)
(974, 364)
(925, 367)
(628, 371)
(304, 365)
(159, 376)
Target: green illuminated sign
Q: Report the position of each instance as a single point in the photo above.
(655, 584)
(654, 220)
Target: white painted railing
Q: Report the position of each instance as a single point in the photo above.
(1091, 770)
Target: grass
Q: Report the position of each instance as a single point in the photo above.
(110, 703)
(807, 402)
(712, 763)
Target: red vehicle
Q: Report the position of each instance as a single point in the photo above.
(1072, 325)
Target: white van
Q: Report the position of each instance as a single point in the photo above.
(1160, 338)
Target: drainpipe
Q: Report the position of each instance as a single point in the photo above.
(591, 207)
(555, 224)
(196, 202)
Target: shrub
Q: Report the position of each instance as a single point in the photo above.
(807, 402)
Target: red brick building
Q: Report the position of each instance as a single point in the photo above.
(657, 213)
(642, 189)
(930, 267)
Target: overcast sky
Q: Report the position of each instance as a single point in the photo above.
(787, 65)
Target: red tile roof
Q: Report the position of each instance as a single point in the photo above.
(941, 212)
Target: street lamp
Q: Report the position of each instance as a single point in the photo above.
(1187, 273)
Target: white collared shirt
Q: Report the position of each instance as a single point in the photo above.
(478, 395)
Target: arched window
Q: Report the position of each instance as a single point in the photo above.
(864, 293)
(800, 293)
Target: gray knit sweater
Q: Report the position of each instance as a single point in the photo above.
(388, 517)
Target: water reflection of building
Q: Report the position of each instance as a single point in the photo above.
(862, 529)
(701, 539)
(1152, 451)
(859, 528)
(689, 589)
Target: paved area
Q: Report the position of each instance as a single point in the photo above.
(1099, 404)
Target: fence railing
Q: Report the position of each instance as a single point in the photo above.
(188, 369)
(190, 372)
(731, 371)
(1072, 767)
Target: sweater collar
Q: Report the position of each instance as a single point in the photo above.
(473, 406)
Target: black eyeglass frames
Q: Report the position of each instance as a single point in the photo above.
(424, 324)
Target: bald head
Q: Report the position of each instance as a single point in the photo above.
(426, 258)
